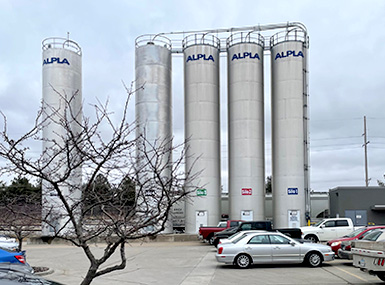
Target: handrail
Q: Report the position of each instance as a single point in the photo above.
(61, 43)
(151, 39)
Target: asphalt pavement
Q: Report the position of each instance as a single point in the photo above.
(184, 263)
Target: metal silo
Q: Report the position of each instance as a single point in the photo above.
(153, 101)
(289, 127)
(246, 126)
(202, 128)
(62, 98)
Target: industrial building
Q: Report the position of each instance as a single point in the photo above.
(364, 205)
(287, 45)
(62, 98)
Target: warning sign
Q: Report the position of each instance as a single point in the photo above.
(246, 191)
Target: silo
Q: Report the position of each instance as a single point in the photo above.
(289, 127)
(246, 126)
(62, 101)
(202, 128)
(153, 102)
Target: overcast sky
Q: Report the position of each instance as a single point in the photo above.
(346, 65)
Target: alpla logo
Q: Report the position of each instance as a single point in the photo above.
(245, 55)
(199, 56)
(55, 59)
(288, 53)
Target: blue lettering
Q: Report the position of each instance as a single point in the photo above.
(245, 55)
(288, 53)
(55, 59)
(199, 56)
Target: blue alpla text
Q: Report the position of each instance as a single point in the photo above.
(55, 59)
(199, 56)
(288, 53)
(245, 55)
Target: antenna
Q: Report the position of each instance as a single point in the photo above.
(365, 145)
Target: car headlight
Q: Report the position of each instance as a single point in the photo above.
(335, 243)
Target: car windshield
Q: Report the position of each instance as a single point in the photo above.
(239, 238)
(355, 233)
(229, 230)
(235, 235)
(317, 224)
(373, 236)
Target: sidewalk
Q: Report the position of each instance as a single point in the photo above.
(185, 263)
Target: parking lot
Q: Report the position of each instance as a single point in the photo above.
(186, 263)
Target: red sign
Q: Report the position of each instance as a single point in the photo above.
(246, 191)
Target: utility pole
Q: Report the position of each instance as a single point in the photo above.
(365, 145)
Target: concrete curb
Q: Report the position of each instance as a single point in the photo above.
(44, 273)
(158, 238)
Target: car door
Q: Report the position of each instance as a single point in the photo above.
(328, 230)
(259, 248)
(284, 250)
(343, 228)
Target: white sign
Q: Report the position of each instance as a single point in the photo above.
(294, 218)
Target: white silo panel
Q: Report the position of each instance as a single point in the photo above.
(288, 136)
(202, 130)
(246, 130)
(153, 102)
(62, 79)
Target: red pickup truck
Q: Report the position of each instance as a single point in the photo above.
(207, 233)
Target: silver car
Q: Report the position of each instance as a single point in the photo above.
(272, 247)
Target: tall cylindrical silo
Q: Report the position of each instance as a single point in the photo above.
(62, 102)
(289, 132)
(153, 102)
(202, 128)
(246, 126)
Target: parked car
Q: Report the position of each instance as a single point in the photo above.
(328, 229)
(8, 243)
(12, 256)
(359, 233)
(207, 233)
(368, 256)
(272, 247)
(345, 252)
(17, 273)
(255, 225)
(236, 236)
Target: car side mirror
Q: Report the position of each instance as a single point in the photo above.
(322, 226)
(292, 243)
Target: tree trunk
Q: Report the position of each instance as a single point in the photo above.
(90, 275)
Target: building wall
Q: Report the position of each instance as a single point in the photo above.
(358, 200)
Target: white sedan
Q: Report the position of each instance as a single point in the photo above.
(272, 247)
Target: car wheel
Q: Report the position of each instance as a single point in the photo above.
(314, 259)
(381, 276)
(216, 242)
(243, 261)
(211, 240)
(311, 238)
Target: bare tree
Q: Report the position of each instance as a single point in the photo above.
(20, 216)
(101, 149)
